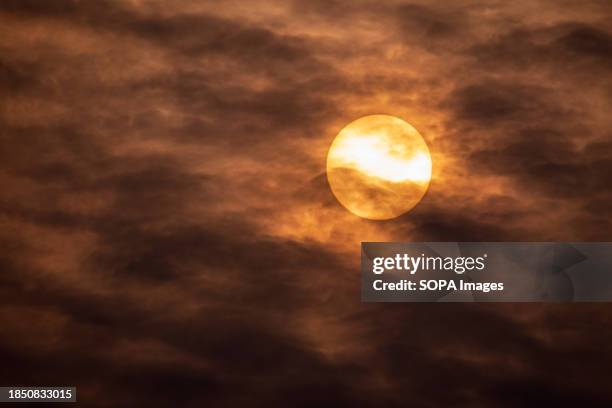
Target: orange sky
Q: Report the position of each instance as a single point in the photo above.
(166, 217)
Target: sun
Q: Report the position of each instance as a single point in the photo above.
(379, 167)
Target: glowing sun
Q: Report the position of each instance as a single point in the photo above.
(379, 167)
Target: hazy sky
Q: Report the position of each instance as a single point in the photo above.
(167, 228)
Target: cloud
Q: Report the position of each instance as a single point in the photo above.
(168, 228)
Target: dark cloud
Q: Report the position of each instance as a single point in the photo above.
(588, 42)
(435, 29)
(493, 102)
(169, 233)
(570, 51)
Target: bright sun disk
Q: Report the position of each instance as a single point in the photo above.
(379, 167)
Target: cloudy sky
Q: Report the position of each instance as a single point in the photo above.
(169, 236)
